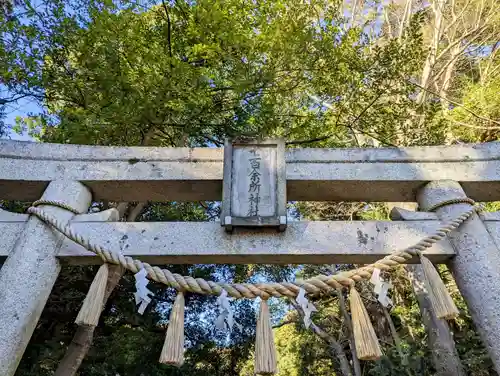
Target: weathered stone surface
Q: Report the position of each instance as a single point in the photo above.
(248, 199)
(109, 215)
(47, 151)
(476, 266)
(439, 338)
(490, 216)
(400, 214)
(7, 216)
(440, 341)
(159, 174)
(30, 271)
(303, 242)
(12, 225)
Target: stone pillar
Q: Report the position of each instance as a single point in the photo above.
(476, 266)
(30, 271)
(439, 338)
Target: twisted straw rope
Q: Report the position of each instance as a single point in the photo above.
(463, 200)
(313, 286)
(59, 204)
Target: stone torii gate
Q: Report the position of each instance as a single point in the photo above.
(438, 178)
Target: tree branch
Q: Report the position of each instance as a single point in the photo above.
(10, 100)
(169, 31)
(395, 335)
(349, 126)
(286, 322)
(456, 104)
(136, 210)
(213, 140)
(333, 345)
(459, 40)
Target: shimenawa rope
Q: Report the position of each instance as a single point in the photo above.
(313, 286)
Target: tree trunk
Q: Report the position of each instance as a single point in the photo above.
(344, 368)
(82, 340)
(337, 351)
(347, 319)
(444, 354)
(437, 29)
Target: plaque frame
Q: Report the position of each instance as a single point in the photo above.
(278, 220)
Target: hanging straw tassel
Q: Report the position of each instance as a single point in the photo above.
(365, 338)
(265, 351)
(441, 301)
(92, 305)
(173, 348)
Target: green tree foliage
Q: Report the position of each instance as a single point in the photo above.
(478, 120)
(110, 74)
(190, 73)
(127, 343)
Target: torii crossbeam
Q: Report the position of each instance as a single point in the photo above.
(76, 175)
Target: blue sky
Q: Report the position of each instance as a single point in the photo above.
(22, 108)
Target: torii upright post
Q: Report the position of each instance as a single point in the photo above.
(476, 266)
(31, 269)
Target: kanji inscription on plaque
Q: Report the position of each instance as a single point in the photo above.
(254, 184)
